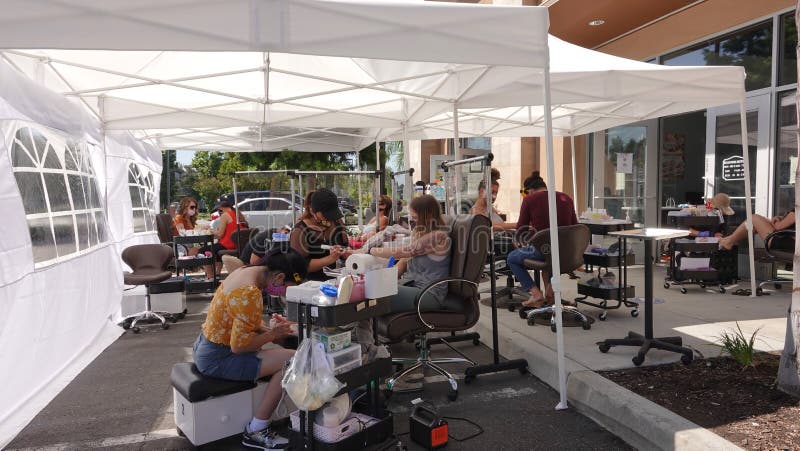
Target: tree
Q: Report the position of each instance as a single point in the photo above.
(169, 188)
(789, 369)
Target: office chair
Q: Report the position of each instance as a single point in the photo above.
(150, 265)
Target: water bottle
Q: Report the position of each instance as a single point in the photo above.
(418, 190)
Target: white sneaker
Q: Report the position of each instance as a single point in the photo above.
(264, 439)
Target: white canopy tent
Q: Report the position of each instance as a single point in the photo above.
(429, 55)
(591, 92)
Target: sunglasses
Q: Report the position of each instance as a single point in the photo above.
(192, 207)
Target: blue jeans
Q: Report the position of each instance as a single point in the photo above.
(515, 262)
(216, 360)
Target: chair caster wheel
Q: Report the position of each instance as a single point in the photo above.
(135, 329)
(637, 360)
(603, 316)
(587, 325)
(476, 342)
(666, 285)
(687, 359)
(523, 312)
(635, 313)
(722, 290)
(702, 284)
(683, 290)
(603, 304)
(468, 379)
(452, 395)
(127, 324)
(511, 308)
(604, 348)
(173, 319)
(553, 328)
(531, 321)
(523, 370)
(165, 326)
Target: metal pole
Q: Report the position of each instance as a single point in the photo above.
(358, 180)
(574, 178)
(294, 204)
(748, 195)
(555, 258)
(168, 195)
(457, 157)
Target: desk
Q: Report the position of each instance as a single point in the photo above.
(647, 341)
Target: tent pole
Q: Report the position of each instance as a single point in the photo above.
(748, 195)
(457, 157)
(574, 179)
(554, 245)
(358, 180)
(294, 204)
(408, 188)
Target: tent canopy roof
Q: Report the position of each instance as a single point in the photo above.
(315, 86)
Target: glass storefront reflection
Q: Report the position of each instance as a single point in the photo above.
(786, 156)
(728, 153)
(623, 170)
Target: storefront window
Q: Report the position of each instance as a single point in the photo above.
(683, 143)
(728, 157)
(750, 47)
(623, 173)
(788, 51)
(786, 156)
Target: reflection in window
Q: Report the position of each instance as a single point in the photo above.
(750, 47)
(786, 155)
(141, 189)
(623, 175)
(787, 71)
(55, 181)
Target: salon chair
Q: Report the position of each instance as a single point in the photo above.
(164, 228)
(779, 247)
(469, 235)
(240, 238)
(150, 265)
(572, 241)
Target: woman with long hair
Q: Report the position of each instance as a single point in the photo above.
(379, 221)
(186, 217)
(229, 345)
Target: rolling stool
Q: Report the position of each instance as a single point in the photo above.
(149, 263)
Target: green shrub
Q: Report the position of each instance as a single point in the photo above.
(738, 346)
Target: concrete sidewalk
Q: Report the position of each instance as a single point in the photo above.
(699, 317)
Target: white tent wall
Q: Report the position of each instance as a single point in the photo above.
(53, 323)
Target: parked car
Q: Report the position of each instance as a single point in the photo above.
(244, 195)
(269, 212)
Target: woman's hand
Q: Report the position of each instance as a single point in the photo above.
(281, 330)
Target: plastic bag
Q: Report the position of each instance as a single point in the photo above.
(309, 380)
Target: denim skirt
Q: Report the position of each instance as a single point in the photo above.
(219, 361)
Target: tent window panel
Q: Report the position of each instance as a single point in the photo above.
(20, 157)
(76, 188)
(84, 222)
(44, 246)
(136, 199)
(57, 192)
(150, 220)
(69, 159)
(23, 135)
(65, 235)
(91, 184)
(100, 219)
(32, 192)
(93, 226)
(39, 143)
(139, 221)
(51, 160)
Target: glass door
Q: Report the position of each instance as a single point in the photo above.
(724, 166)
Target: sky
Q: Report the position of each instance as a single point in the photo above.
(184, 157)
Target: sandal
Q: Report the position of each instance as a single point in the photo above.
(747, 292)
(534, 303)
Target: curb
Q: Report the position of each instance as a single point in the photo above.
(638, 421)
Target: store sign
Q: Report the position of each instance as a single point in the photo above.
(733, 169)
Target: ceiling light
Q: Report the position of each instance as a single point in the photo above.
(597, 23)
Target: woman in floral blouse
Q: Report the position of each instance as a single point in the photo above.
(229, 346)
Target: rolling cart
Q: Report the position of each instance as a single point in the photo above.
(368, 375)
(722, 266)
(192, 285)
(622, 292)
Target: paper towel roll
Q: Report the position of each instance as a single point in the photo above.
(362, 263)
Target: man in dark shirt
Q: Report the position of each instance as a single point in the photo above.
(533, 217)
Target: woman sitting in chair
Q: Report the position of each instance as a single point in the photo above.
(479, 208)
(762, 226)
(185, 219)
(379, 221)
(320, 226)
(423, 259)
(229, 345)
